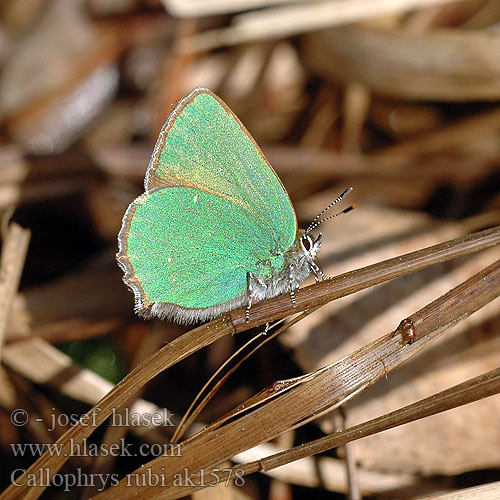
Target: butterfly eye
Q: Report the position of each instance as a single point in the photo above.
(306, 243)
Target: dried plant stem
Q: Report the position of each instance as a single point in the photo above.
(11, 267)
(442, 313)
(102, 463)
(215, 382)
(455, 305)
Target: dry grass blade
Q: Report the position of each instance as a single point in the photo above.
(398, 98)
(263, 312)
(15, 246)
(212, 385)
(326, 472)
(325, 389)
(114, 434)
(42, 363)
(11, 266)
(459, 303)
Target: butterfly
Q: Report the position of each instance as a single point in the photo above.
(215, 228)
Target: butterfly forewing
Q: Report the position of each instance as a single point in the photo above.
(204, 145)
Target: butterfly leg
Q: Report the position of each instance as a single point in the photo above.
(247, 310)
(256, 290)
(293, 285)
(315, 269)
(314, 273)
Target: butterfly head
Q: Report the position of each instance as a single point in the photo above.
(310, 246)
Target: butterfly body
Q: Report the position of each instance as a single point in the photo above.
(215, 228)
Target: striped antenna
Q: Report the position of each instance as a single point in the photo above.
(315, 222)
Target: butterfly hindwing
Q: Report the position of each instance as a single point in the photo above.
(196, 257)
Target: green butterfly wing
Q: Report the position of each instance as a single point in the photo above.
(213, 211)
(204, 145)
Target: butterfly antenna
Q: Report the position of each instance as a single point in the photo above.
(315, 222)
